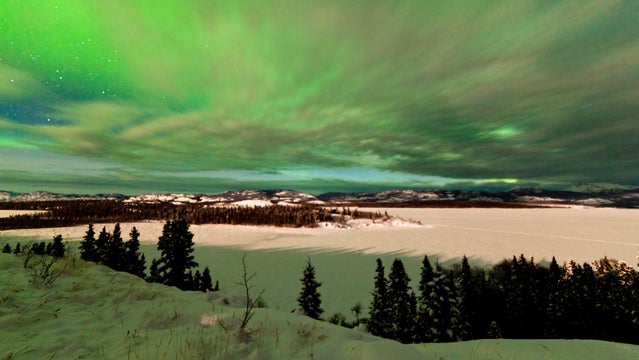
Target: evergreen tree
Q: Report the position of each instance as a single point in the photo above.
(197, 281)
(423, 318)
(554, 314)
(309, 298)
(379, 314)
(134, 263)
(205, 282)
(443, 308)
(115, 251)
(58, 248)
(176, 259)
(6, 249)
(101, 245)
(88, 251)
(17, 249)
(402, 320)
(154, 275)
(41, 248)
(467, 301)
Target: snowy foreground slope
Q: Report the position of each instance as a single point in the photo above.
(93, 312)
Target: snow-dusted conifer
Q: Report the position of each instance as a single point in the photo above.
(443, 308)
(309, 299)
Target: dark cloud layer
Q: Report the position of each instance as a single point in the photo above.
(469, 92)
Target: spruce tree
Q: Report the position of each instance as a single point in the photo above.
(101, 245)
(176, 259)
(154, 275)
(402, 321)
(134, 263)
(379, 314)
(88, 251)
(442, 305)
(6, 249)
(58, 248)
(17, 249)
(197, 281)
(423, 319)
(309, 299)
(554, 313)
(205, 282)
(467, 302)
(115, 251)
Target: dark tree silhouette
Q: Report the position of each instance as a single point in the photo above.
(115, 251)
(88, 250)
(134, 263)
(379, 314)
(154, 275)
(402, 312)
(467, 302)
(309, 299)
(101, 245)
(58, 248)
(17, 249)
(205, 282)
(176, 259)
(6, 249)
(423, 319)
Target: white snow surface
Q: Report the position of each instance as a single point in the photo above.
(252, 203)
(146, 321)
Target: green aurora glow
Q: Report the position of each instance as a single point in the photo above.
(203, 95)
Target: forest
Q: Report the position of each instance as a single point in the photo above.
(516, 298)
(82, 212)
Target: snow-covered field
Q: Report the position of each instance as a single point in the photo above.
(344, 260)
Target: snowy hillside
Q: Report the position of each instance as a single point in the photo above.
(94, 312)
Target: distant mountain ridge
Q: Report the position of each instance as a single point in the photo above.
(616, 197)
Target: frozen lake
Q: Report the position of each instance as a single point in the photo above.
(485, 235)
(345, 258)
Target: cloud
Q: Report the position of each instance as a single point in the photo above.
(538, 92)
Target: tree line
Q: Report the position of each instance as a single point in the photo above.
(175, 266)
(55, 248)
(79, 212)
(515, 298)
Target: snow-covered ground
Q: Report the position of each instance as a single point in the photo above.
(141, 321)
(93, 312)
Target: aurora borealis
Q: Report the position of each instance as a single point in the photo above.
(204, 96)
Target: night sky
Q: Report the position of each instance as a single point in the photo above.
(136, 96)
